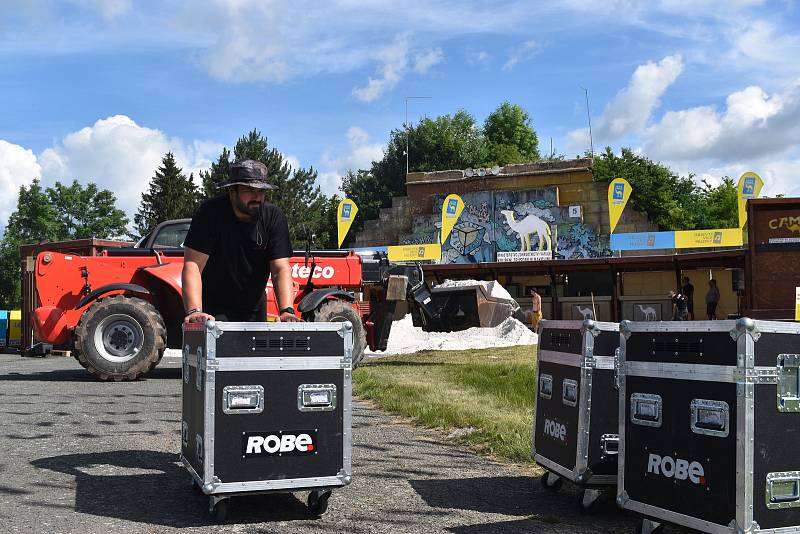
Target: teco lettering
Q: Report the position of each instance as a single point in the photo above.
(679, 469)
(269, 444)
(302, 271)
(555, 430)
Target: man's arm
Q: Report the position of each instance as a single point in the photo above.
(192, 282)
(281, 271)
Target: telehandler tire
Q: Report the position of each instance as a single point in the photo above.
(120, 338)
(340, 311)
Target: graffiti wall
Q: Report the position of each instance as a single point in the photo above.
(509, 221)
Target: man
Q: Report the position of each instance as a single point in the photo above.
(688, 292)
(536, 309)
(234, 242)
(680, 306)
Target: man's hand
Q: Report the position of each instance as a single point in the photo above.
(198, 317)
(287, 317)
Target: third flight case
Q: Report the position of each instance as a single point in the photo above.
(575, 421)
(709, 425)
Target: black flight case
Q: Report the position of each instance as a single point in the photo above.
(575, 421)
(267, 409)
(710, 425)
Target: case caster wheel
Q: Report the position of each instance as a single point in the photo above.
(648, 526)
(551, 481)
(589, 501)
(318, 502)
(220, 511)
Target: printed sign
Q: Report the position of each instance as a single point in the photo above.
(451, 211)
(724, 237)
(749, 186)
(619, 191)
(575, 212)
(533, 255)
(345, 215)
(414, 252)
(642, 241)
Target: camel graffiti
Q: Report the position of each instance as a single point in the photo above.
(649, 312)
(528, 226)
(586, 312)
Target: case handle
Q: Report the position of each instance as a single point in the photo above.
(569, 392)
(609, 444)
(710, 417)
(783, 490)
(545, 386)
(788, 383)
(242, 399)
(646, 409)
(316, 397)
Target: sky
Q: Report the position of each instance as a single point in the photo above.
(100, 90)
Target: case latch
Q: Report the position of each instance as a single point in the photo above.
(569, 392)
(545, 386)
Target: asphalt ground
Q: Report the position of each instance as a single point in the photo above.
(77, 455)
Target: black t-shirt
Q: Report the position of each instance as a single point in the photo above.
(235, 276)
(681, 302)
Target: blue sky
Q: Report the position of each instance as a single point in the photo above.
(100, 90)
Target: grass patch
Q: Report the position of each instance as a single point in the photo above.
(490, 391)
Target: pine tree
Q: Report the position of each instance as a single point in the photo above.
(171, 196)
(219, 173)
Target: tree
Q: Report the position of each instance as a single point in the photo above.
(219, 173)
(510, 138)
(670, 201)
(719, 205)
(85, 212)
(34, 220)
(171, 196)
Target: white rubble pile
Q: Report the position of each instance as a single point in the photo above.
(493, 288)
(405, 338)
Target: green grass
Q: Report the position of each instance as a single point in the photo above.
(489, 390)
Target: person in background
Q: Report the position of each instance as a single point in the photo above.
(680, 306)
(688, 292)
(712, 299)
(536, 309)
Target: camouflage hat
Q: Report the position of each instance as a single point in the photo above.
(249, 173)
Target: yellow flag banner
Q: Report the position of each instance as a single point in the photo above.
(749, 186)
(797, 304)
(619, 191)
(725, 237)
(414, 252)
(451, 211)
(345, 214)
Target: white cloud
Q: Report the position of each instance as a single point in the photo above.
(427, 59)
(630, 110)
(394, 59)
(122, 156)
(753, 124)
(523, 52)
(109, 9)
(18, 166)
(359, 154)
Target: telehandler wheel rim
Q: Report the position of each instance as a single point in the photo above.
(118, 338)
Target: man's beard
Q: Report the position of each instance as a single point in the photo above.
(251, 210)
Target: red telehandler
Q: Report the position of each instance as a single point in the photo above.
(118, 311)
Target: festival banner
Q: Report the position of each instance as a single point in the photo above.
(619, 191)
(414, 252)
(642, 241)
(345, 214)
(451, 211)
(749, 186)
(723, 237)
